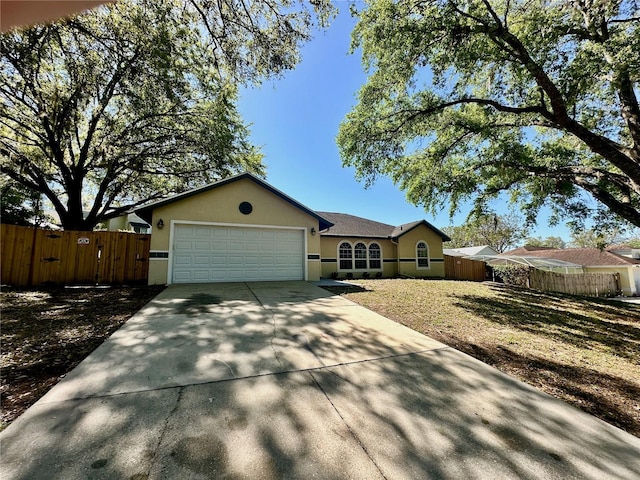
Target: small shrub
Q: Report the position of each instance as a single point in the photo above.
(366, 275)
(378, 274)
(334, 275)
(349, 276)
(517, 275)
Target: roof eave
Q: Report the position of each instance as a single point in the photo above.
(359, 235)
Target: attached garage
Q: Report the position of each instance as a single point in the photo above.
(240, 229)
(221, 253)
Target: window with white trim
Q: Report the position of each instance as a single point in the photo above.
(359, 256)
(375, 257)
(422, 254)
(346, 256)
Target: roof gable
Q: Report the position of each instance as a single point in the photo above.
(145, 211)
(407, 227)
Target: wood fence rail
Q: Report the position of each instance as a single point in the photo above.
(33, 257)
(592, 284)
(458, 268)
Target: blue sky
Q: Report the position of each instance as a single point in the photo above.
(295, 120)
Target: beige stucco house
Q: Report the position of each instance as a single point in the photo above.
(243, 229)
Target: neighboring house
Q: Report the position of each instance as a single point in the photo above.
(470, 251)
(243, 229)
(624, 250)
(128, 222)
(593, 260)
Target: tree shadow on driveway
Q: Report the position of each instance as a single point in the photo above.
(309, 384)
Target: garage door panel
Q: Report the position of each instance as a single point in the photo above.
(201, 276)
(200, 245)
(202, 260)
(236, 246)
(202, 232)
(184, 231)
(182, 260)
(252, 247)
(183, 245)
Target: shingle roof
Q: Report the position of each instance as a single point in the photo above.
(527, 249)
(588, 257)
(345, 225)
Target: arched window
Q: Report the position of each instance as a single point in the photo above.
(346, 256)
(422, 254)
(359, 256)
(360, 251)
(375, 256)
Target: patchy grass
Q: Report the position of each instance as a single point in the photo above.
(585, 351)
(46, 333)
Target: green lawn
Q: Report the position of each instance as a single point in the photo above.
(585, 351)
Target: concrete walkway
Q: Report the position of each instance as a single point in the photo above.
(284, 380)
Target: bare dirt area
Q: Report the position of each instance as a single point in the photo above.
(46, 333)
(583, 350)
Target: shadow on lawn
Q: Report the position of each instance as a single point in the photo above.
(579, 321)
(586, 323)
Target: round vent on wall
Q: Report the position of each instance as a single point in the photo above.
(246, 208)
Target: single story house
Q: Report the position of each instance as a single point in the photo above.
(243, 229)
(593, 260)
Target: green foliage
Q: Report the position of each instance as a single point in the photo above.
(517, 275)
(20, 205)
(551, 242)
(136, 100)
(591, 238)
(467, 99)
(633, 242)
(500, 232)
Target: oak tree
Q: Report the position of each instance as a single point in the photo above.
(136, 99)
(500, 232)
(467, 100)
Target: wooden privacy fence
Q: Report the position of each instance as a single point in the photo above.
(593, 284)
(458, 268)
(32, 257)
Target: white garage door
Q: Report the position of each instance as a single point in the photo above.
(204, 253)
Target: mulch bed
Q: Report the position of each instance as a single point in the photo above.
(46, 333)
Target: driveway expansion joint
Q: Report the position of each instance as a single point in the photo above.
(273, 322)
(346, 424)
(164, 430)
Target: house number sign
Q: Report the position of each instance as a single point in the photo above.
(83, 241)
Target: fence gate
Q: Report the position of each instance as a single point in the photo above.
(458, 268)
(32, 257)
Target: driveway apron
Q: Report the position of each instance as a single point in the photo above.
(285, 380)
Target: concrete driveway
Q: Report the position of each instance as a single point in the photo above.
(284, 380)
